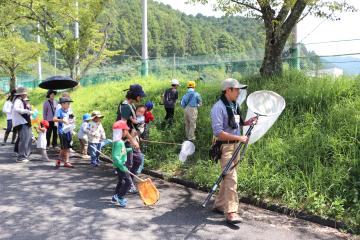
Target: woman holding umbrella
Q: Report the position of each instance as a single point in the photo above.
(49, 109)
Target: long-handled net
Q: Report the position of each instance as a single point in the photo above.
(266, 106)
(187, 148)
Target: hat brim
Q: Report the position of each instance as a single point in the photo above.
(98, 116)
(237, 86)
(69, 101)
(19, 94)
(243, 86)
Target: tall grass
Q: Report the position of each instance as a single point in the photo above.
(309, 160)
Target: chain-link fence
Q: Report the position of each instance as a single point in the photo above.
(204, 68)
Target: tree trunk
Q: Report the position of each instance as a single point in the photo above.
(72, 72)
(272, 64)
(278, 30)
(12, 84)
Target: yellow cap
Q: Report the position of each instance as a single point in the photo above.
(191, 84)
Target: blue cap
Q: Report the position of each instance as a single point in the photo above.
(149, 105)
(86, 117)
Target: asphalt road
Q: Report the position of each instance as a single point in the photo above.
(39, 202)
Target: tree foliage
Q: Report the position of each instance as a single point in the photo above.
(57, 18)
(172, 32)
(279, 18)
(17, 54)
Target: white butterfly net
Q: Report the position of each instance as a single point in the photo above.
(269, 105)
(187, 149)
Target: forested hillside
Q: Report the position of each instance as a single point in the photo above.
(173, 32)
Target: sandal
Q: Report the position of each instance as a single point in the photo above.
(233, 218)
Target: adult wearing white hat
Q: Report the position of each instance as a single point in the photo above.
(170, 97)
(226, 122)
(22, 123)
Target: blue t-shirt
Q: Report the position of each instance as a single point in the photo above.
(62, 114)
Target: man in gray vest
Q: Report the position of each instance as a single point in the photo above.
(226, 122)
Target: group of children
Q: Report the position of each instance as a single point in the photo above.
(92, 138)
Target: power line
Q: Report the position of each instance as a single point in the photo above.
(344, 40)
(345, 62)
(324, 56)
(313, 30)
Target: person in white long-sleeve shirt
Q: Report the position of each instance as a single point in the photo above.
(22, 123)
(7, 109)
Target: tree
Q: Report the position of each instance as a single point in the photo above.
(279, 18)
(17, 54)
(195, 43)
(56, 19)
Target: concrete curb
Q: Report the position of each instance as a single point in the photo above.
(258, 203)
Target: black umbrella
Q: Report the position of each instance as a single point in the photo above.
(58, 82)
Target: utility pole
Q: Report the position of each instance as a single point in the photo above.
(294, 50)
(174, 65)
(55, 60)
(77, 65)
(144, 55)
(39, 58)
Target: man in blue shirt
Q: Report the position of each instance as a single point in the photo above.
(191, 101)
(226, 122)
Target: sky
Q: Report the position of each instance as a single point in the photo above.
(310, 30)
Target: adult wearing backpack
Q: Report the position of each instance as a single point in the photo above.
(191, 101)
(126, 111)
(170, 97)
(49, 110)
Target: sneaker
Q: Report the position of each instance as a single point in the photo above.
(133, 190)
(85, 157)
(72, 151)
(68, 165)
(22, 160)
(57, 163)
(115, 198)
(122, 202)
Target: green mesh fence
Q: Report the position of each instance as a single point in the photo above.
(204, 68)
